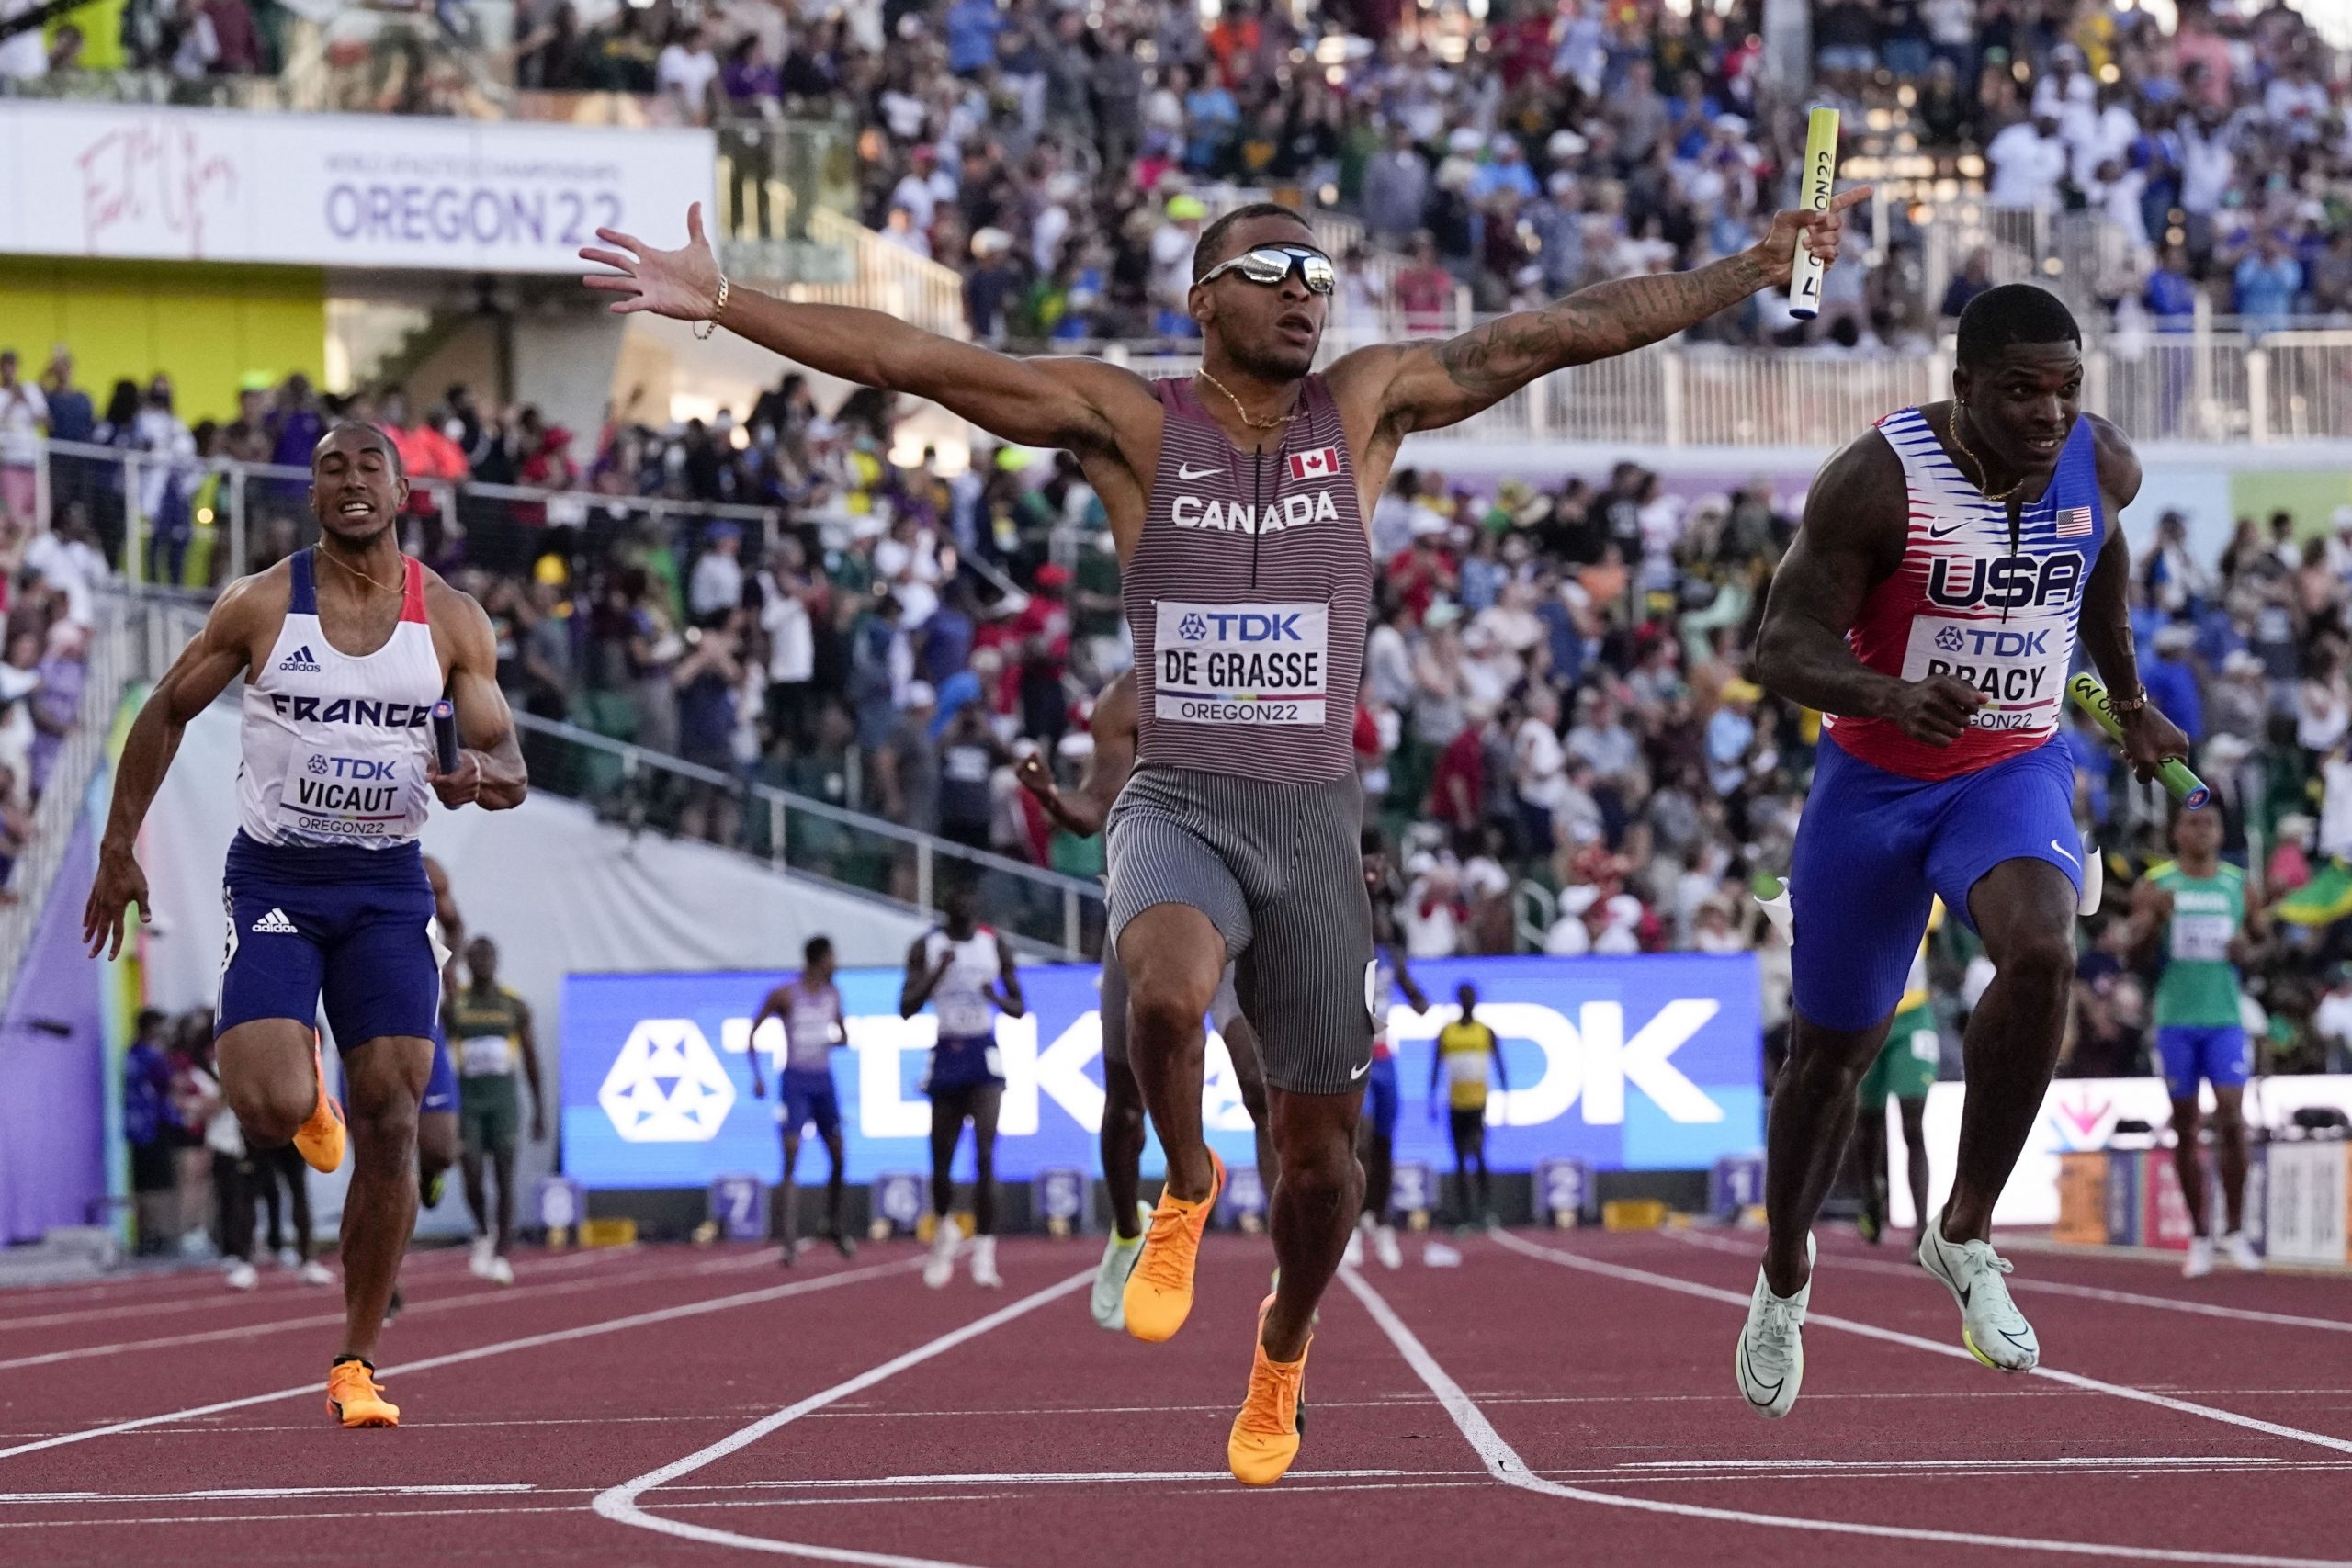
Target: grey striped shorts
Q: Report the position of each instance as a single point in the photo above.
(1278, 870)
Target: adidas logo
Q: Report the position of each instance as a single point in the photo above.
(274, 923)
(300, 660)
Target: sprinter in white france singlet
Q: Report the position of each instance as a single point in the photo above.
(343, 649)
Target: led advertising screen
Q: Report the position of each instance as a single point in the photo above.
(1653, 1062)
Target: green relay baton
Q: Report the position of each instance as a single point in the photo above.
(2091, 697)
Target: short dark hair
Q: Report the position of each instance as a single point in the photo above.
(391, 449)
(1209, 250)
(817, 949)
(2010, 313)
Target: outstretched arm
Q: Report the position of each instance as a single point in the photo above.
(1072, 403)
(1427, 386)
(218, 655)
(1851, 539)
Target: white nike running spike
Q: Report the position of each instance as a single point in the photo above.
(1108, 1300)
(940, 1267)
(1992, 1327)
(1769, 1358)
(2240, 1251)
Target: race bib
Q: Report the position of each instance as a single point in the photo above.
(344, 798)
(2020, 670)
(481, 1056)
(2202, 938)
(1241, 663)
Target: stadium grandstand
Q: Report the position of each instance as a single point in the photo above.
(780, 647)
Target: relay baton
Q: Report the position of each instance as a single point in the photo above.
(1820, 174)
(2091, 697)
(445, 734)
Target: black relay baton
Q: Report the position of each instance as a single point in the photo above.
(445, 734)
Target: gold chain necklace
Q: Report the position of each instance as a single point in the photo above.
(1270, 423)
(1983, 474)
(355, 571)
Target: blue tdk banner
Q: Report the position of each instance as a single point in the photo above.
(1652, 1062)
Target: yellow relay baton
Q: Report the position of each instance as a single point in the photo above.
(2091, 697)
(1820, 174)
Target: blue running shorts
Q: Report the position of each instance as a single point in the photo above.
(2218, 1053)
(1380, 1095)
(441, 1087)
(808, 1099)
(350, 927)
(1874, 849)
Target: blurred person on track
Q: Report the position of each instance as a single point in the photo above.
(490, 1027)
(1931, 605)
(325, 887)
(808, 1006)
(965, 971)
(1377, 1137)
(1112, 728)
(1239, 499)
(1468, 1057)
(2194, 914)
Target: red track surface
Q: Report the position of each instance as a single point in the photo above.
(1515, 1410)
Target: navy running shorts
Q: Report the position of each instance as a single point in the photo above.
(337, 924)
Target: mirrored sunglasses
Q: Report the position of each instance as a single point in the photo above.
(1268, 265)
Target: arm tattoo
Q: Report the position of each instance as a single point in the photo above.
(1605, 320)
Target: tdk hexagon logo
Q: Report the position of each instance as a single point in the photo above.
(1192, 628)
(667, 1085)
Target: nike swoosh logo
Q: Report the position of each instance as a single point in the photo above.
(1749, 1380)
(1360, 1071)
(1934, 532)
(1186, 471)
(1966, 1292)
(2070, 859)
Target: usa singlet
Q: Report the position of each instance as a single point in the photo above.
(1971, 602)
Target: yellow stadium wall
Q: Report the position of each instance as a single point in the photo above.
(204, 326)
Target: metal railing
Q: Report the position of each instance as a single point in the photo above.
(195, 523)
(113, 655)
(1061, 916)
(1057, 915)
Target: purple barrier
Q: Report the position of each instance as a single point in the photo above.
(52, 1064)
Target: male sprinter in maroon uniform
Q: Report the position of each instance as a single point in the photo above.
(344, 648)
(1239, 499)
(1930, 607)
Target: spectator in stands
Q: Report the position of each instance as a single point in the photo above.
(23, 420)
(148, 1122)
(2267, 282)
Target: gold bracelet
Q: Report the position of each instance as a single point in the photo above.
(2125, 706)
(705, 328)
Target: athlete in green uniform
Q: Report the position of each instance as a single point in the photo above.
(2194, 912)
(491, 1027)
(1904, 1072)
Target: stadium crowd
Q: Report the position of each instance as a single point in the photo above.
(1556, 733)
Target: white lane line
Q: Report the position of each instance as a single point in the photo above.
(315, 1389)
(2052, 1287)
(268, 1494)
(1895, 1337)
(620, 1503)
(222, 1296)
(1502, 1461)
(491, 1297)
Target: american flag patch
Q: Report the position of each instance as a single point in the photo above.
(1323, 463)
(2074, 521)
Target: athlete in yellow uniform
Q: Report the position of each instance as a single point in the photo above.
(1466, 1050)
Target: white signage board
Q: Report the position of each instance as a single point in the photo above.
(139, 182)
(2076, 1114)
